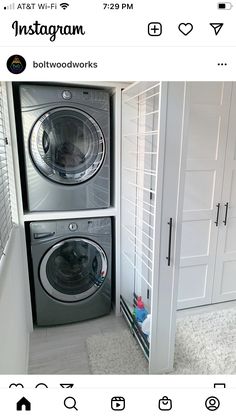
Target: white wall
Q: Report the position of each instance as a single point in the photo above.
(15, 306)
(14, 325)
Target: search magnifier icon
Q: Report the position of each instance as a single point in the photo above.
(70, 403)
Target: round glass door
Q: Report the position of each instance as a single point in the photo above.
(67, 146)
(73, 269)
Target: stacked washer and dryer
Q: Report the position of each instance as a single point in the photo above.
(66, 143)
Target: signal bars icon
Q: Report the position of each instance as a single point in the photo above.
(10, 7)
(64, 5)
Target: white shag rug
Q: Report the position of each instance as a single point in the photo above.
(205, 344)
(116, 353)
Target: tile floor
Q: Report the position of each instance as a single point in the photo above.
(62, 349)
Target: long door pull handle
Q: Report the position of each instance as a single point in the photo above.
(170, 224)
(226, 213)
(217, 215)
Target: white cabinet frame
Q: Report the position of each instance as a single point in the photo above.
(169, 203)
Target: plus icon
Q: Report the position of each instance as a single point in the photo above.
(154, 29)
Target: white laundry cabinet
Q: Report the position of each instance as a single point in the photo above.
(151, 211)
(208, 249)
(147, 204)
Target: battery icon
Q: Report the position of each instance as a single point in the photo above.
(225, 6)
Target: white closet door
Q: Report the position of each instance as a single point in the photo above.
(209, 104)
(225, 271)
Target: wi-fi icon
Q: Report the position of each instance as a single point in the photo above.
(64, 5)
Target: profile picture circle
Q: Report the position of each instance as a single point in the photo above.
(16, 64)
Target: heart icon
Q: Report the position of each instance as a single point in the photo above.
(185, 28)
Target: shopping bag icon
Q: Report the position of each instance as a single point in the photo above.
(165, 403)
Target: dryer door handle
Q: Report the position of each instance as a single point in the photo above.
(38, 236)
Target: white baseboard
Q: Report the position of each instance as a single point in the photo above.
(206, 309)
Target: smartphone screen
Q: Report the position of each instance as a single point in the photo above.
(117, 208)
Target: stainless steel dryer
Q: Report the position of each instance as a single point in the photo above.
(71, 269)
(66, 135)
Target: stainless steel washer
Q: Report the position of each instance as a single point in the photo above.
(71, 269)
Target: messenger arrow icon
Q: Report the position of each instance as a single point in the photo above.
(217, 27)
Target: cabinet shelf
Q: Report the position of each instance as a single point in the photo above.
(63, 215)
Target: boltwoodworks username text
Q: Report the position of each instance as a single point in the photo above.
(68, 64)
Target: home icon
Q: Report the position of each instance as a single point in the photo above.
(23, 404)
